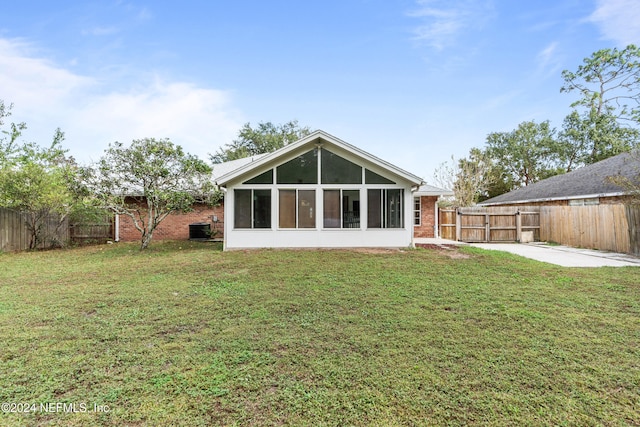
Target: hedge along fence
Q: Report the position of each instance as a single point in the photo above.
(16, 236)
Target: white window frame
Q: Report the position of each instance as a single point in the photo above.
(417, 219)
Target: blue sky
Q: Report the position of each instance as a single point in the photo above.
(411, 81)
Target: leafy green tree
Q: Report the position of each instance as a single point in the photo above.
(266, 137)
(606, 115)
(8, 137)
(149, 180)
(608, 83)
(590, 137)
(527, 154)
(39, 182)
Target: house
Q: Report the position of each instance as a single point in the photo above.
(584, 208)
(316, 192)
(589, 185)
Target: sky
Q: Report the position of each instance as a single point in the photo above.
(414, 82)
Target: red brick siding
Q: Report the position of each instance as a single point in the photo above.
(176, 225)
(427, 217)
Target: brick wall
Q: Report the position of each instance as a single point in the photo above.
(176, 225)
(427, 217)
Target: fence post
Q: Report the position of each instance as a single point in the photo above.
(458, 228)
(487, 227)
(518, 226)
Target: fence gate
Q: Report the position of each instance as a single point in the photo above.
(490, 224)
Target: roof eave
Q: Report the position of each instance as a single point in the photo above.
(318, 134)
(553, 199)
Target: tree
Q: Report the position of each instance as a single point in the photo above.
(468, 178)
(149, 180)
(630, 182)
(266, 137)
(39, 182)
(527, 154)
(9, 137)
(606, 115)
(608, 82)
(588, 138)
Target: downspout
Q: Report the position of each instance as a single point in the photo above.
(436, 224)
(117, 227)
(414, 188)
(225, 211)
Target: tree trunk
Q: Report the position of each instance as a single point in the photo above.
(146, 240)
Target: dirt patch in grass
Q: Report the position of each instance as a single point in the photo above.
(452, 251)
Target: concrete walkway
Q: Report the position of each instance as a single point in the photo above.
(558, 255)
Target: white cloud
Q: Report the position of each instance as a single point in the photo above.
(93, 113)
(548, 62)
(618, 20)
(444, 21)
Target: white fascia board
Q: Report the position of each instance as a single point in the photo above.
(221, 181)
(434, 193)
(554, 199)
(319, 134)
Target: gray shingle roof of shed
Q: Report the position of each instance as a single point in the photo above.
(588, 181)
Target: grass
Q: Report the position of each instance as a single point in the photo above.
(185, 334)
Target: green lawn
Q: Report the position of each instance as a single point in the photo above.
(185, 334)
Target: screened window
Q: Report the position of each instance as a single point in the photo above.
(263, 178)
(297, 209)
(374, 178)
(385, 208)
(341, 209)
(338, 170)
(416, 211)
(301, 170)
(252, 209)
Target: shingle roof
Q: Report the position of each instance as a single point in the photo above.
(220, 169)
(430, 190)
(588, 181)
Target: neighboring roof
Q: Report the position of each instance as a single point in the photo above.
(317, 136)
(586, 182)
(430, 190)
(221, 169)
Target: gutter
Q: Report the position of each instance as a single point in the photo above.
(553, 199)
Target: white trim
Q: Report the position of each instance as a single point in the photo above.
(554, 199)
(436, 225)
(419, 199)
(326, 138)
(117, 226)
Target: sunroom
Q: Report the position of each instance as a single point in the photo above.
(318, 192)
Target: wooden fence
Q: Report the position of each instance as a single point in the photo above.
(609, 227)
(492, 224)
(97, 231)
(15, 236)
(603, 227)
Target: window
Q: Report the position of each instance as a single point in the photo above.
(263, 178)
(252, 209)
(374, 178)
(584, 202)
(385, 208)
(416, 211)
(337, 170)
(297, 209)
(301, 170)
(341, 208)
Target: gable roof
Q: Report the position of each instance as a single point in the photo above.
(430, 190)
(316, 137)
(586, 182)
